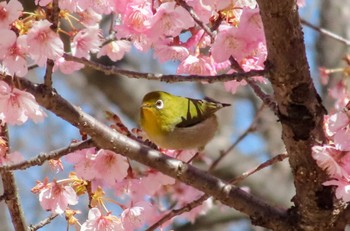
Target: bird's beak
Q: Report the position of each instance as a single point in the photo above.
(145, 105)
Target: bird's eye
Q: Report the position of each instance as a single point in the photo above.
(159, 104)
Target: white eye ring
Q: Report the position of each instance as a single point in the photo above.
(159, 104)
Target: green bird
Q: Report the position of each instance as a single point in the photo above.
(175, 122)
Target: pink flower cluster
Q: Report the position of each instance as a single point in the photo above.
(106, 169)
(171, 31)
(334, 157)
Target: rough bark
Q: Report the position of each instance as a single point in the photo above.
(300, 112)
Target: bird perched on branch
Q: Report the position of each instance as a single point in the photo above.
(175, 122)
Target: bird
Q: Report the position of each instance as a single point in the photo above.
(178, 123)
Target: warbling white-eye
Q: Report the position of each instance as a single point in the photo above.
(175, 122)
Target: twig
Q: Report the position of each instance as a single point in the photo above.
(250, 129)
(267, 163)
(48, 73)
(267, 99)
(112, 70)
(326, 32)
(11, 192)
(42, 158)
(176, 212)
(195, 17)
(42, 223)
(54, 17)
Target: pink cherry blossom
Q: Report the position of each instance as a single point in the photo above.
(194, 65)
(238, 42)
(42, 2)
(12, 53)
(56, 197)
(330, 159)
(135, 24)
(98, 222)
(138, 214)
(170, 20)
(17, 106)
(339, 129)
(89, 17)
(339, 92)
(9, 12)
(67, 67)
(44, 43)
(84, 163)
(102, 6)
(73, 5)
(115, 50)
(87, 40)
(203, 11)
(167, 52)
(111, 167)
(343, 188)
(135, 20)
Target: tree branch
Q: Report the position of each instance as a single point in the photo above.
(326, 32)
(112, 70)
(42, 158)
(42, 223)
(300, 111)
(260, 212)
(10, 191)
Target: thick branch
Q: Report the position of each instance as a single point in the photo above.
(11, 193)
(260, 212)
(300, 112)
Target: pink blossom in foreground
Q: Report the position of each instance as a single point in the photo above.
(9, 12)
(12, 53)
(332, 161)
(98, 222)
(194, 65)
(343, 188)
(168, 52)
(89, 17)
(135, 20)
(67, 67)
(84, 163)
(42, 2)
(135, 24)
(339, 129)
(203, 11)
(17, 106)
(239, 42)
(56, 197)
(115, 50)
(111, 167)
(87, 40)
(102, 6)
(44, 43)
(339, 92)
(170, 20)
(138, 214)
